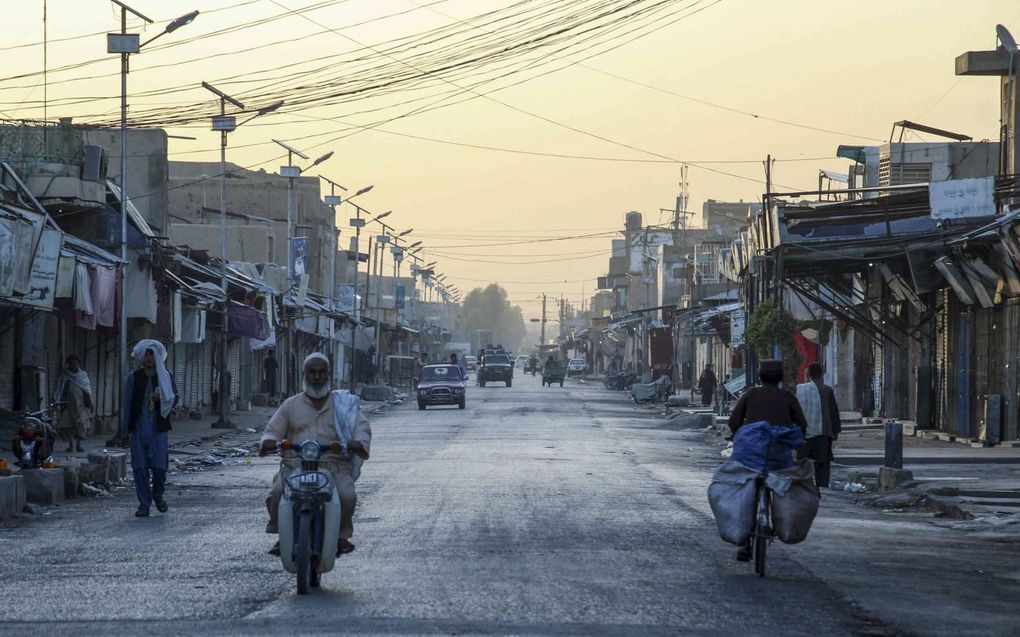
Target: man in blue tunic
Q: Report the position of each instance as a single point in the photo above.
(149, 399)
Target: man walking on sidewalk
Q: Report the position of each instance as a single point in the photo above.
(149, 399)
(269, 367)
(706, 384)
(822, 413)
(74, 389)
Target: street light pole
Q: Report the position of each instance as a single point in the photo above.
(224, 124)
(357, 223)
(125, 44)
(333, 200)
(292, 172)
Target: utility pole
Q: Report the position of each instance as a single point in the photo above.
(563, 316)
(542, 341)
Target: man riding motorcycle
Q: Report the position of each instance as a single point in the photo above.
(309, 416)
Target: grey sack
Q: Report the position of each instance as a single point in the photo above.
(731, 496)
(794, 509)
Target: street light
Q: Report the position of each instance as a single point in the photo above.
(125, 44)
(291, 172)
(225, 124)
(357, 223)
(406, 232)
(416, 247)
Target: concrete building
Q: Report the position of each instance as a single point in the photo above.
(725, 219)
(256, 216)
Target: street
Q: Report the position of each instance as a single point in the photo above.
(534, 511)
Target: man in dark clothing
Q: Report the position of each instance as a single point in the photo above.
(822, 413)
(707, 384)
(269, 366)
(770, 403)
(149, 398)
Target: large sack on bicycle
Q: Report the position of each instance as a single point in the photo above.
(756, 442)
(795, 500)
(731, 495)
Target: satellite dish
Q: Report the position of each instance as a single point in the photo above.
(1006, 38)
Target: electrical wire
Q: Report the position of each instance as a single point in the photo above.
(80, 36)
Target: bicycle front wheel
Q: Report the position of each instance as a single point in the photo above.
(762, 528)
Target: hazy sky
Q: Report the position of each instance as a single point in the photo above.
(851, 69)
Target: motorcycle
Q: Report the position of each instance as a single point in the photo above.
(620, 380)
(33, 441)
(309, 515)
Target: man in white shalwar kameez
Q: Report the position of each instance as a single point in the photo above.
(323, 416)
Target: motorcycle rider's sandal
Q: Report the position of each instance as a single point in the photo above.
(161, 506)
(142, 512)
(343, 547)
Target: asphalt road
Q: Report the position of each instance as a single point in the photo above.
(534, 511)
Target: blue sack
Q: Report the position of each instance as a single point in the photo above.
(754, 441)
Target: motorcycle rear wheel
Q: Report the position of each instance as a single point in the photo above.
(304, 553)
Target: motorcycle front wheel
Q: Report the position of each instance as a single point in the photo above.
(304, 553)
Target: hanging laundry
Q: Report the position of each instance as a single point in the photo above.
(105, 292)
(140, 296)
(85, 301)
(177, 303)
(192, 326)
(243, 320)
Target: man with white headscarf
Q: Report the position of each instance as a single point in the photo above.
(74, 390)
(149, 399)
(325, 417)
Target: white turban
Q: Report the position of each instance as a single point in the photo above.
(315, 356)
(166, 386)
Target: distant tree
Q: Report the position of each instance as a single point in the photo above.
(489, 309)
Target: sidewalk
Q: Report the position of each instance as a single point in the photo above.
(100, 468)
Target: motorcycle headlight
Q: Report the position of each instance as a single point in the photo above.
(310, 450)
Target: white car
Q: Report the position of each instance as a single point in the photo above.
(576, 366)
(521, 362)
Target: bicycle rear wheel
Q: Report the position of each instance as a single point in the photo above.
(760, 545)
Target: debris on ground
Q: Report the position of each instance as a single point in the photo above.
(854, 487)
(94, 490)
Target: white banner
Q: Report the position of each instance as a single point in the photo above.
(737, 323)
(346, 300)
(960, 198)
(42, 284)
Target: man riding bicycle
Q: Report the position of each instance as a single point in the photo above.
(770, 403)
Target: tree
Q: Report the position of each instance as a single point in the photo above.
(770, 325)
(488, 309)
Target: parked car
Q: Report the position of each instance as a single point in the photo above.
(441, 385)
(496, 367)
(521, 362)
(576, 366)
(471, 362)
